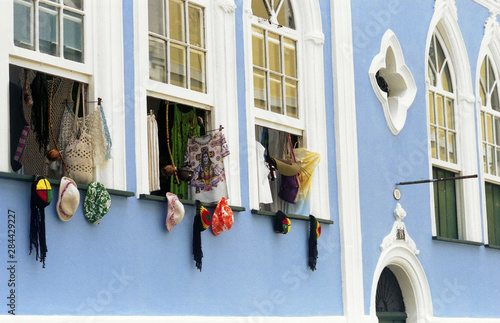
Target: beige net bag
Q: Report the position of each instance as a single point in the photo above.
(78, 153)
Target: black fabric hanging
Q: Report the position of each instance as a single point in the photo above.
(41, 196)
(17, 124)
(314, 233)
(40, 122)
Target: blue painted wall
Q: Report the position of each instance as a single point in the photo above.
(130, 265)
(462, 278)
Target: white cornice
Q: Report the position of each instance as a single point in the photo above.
(448, 5)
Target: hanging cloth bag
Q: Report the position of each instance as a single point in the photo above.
(78, 153)
(290, 185)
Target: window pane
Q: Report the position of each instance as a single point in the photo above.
(432, 117)
(49, 29)
(291, 98)
(494, 98)
(73, 36)
(440, 110)
(491, 76)
(483, 126)
(440, 55)
(156, 18)
(197, 61)
(432, 74)
(290, 58)
(442, 144)
(447, 85)
(273, 43)
(491, 159)
(176, 20)
(285, 15)
(276, 97)
(483, 72)
(196, 27)
(258, 50)
(498, 160)
(178, 65)
(23, 25)
(451, 147)
(432, 52)
(77, 4)
(433, 142)
(484, 158)
(497, 131)
(450, 116)
(482, 93)
(157, 60)
(259, 92)
(489, 127)
(259, 9)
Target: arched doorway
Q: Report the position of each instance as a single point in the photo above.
(390, 306)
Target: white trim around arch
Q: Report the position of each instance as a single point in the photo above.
(411, 278)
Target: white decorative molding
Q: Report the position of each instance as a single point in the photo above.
(227, 5)
(466, 98)
(399, 232)
(446, 5)
(389, 66)
(317, 38)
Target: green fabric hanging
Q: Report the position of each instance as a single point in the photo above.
(185, 125)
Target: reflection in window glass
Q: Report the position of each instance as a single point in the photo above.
(179, 44)
(77, 4)
(178, 65)
(157, 60)
(73, 33)
(48, 31)
(23, 24)
(275, 90)
(260, 89)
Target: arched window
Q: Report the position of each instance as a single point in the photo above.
(443, 137)
(285, 73)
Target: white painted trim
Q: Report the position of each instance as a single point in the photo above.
(347, 160)
(445, 21)
(399, 78)
(174, 319)
(411, 278)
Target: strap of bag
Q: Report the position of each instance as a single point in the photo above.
(75, 124)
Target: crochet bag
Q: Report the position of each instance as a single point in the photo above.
(78, 153)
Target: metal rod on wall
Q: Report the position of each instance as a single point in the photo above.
(437, 180)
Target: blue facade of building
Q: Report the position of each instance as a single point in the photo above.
(130, 265)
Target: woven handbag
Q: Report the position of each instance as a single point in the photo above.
(78, 153)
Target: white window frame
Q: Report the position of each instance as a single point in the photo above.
(220, 100)
(60, 7)
(490, 47)
(99, 67)
(445, 22)
(310, 73)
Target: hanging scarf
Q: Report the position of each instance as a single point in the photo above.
(41, 196)
(40, 110)
(201, 223)
(314, 233)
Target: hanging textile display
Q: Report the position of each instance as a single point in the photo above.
(206, 154)
(175, 211)
(265, 195)
(201, 222)
(19, 128)
(69, 199)
(35, 161)
(281, 223)
(41, 196)
(314, 233)
(97, 203)
(185, 125)
(153, 154)
(222, 219)
(79, 153)
(308, 161)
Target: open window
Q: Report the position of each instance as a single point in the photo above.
(285, 72)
